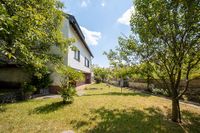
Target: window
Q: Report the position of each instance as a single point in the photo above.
(77, 55)
(87, 63)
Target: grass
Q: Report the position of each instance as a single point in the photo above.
(100, 110)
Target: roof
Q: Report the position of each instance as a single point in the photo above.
(76, 27)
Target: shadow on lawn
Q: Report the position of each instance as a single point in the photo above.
(120, 94)
(48, 108)
(135, 121)
(193, 124)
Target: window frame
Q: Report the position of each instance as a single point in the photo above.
(77, 55)
(87, 62)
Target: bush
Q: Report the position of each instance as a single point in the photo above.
(28, 90)
(67, 94)
(40, 77)
(97, 80)
(158, 91)
(41, 83)
(69, 77)
(100, 74)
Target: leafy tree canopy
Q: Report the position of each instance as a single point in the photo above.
(28, 29)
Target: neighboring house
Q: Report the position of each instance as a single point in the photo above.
(80, 59)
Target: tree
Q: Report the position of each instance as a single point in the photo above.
(170, 32)
(100, 74)
(126, 55)
(28, 29)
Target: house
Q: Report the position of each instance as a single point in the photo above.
(79, 59)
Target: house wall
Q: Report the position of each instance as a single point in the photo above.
(83, 53)
(65, 31)
(69, 60)
(55, 77)
(55, 49)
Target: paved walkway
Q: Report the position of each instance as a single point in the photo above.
(81, 90)
(48, 96)
(82, 87)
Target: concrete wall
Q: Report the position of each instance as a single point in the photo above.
(11, 78)
(13, 75)
(137, 85)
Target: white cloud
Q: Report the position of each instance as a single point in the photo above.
(91, 37)
(83, 4)
(126, 17)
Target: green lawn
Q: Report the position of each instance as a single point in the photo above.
(100, 110)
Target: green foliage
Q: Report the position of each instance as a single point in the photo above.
(100, 74)
(114, 58)
(28, 88)
(69, 74)
(41, 83)
(69, 78)
(39, 77)
(159, 91)
(169, 40)
(124, 72)
(124, 54)
(67, 94)
(28, 29)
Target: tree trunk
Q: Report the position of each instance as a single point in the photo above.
(176, 114)
(148, 84)
(176, 117)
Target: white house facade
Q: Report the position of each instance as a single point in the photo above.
(79, 59)
(82, 58)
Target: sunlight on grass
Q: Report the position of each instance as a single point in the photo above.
(101, 109)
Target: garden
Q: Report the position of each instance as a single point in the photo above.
(152, 75)
(100, 109)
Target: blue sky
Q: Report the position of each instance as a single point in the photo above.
(102, 22)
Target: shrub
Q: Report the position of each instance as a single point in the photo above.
(41, 83)
(69, 77)
(40, 77)
(67, 94)
(28, 90)
(100, 74)
(97, 79)
(158, 91)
